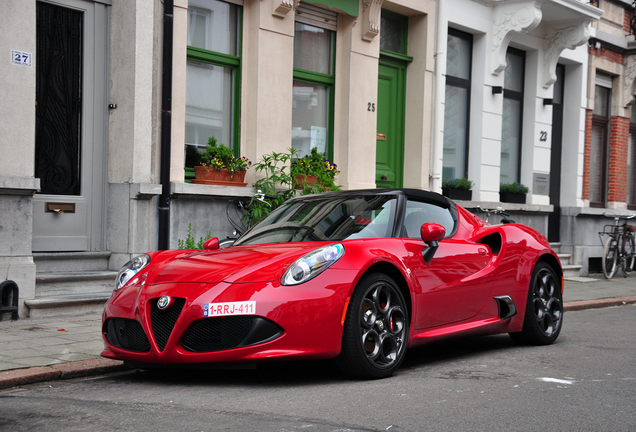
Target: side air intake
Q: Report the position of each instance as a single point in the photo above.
(507, 308)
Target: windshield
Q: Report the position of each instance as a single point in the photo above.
(326, 219)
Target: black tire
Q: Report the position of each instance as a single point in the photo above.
(376, 329)
(543, 318)
(610, 257)
(630, 253)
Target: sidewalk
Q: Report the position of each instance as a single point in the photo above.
(34, 350)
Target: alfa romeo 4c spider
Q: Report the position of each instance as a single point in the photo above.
(359, 276)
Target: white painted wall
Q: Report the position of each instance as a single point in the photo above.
(133, 76)
(17, 92)
(486, 108)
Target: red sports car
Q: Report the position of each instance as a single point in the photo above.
(359, 276)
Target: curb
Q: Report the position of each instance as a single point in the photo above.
(597, 304)
(78, 369)
(99, 366)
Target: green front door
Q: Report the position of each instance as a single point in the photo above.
(389, 166)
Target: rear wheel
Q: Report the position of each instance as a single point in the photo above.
(630, 253)
(376, 329)
(610, 257)
(544, 310)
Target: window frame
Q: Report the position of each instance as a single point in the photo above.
(517, 96)
(325, 80)
(230, 62)
(604, 122)
(404, 38)
(467, 85)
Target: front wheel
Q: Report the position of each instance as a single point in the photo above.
(376, 329)
(610, 257)
(544, 310)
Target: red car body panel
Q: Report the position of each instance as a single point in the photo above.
(452, 295)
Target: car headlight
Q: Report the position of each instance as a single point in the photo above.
(130, 269)
(312, 264)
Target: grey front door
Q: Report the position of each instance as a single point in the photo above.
(71, 125)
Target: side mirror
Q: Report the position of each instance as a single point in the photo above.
(431, 233)
(211, 244)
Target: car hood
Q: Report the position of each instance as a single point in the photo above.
(239, 264)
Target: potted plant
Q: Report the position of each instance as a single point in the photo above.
(457, 189)
(513, 193)
(313, 173)
(220, 166)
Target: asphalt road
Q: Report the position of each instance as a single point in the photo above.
(584, 382)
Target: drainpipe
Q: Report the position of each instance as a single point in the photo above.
(166, 125)
(441, 34)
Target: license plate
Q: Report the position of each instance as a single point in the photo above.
(231, 308)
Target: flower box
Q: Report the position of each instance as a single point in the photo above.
(458, 194)
(223, 177)
(509, 197)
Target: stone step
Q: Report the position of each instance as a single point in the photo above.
(566, 259)
(74, 283)
(70, 261)
(555, 246)
(68, 305)
(571, 270)
(70, 293)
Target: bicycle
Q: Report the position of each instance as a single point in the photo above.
(239, 223)
(619, 248)
(499, 211)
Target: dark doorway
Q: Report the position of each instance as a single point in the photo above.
(59, 99)
(554, 219)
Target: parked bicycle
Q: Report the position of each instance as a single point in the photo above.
(498, 211)
(618, 248)
(235, 212)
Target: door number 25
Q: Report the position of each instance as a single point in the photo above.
(371, 107)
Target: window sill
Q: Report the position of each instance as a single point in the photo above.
(178, 188)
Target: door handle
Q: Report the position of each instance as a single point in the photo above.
(384, 177)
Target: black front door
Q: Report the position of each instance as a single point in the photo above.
(554, 219)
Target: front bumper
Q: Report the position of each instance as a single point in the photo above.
(288, 322)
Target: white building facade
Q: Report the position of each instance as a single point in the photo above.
(397, 93)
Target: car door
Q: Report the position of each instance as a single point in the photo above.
(455, 285)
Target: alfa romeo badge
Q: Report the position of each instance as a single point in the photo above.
(164, 302)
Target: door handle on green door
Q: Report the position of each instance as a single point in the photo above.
(384, 177)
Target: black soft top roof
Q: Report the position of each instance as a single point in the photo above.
(418, 194)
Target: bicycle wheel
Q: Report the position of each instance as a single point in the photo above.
(630, 253)
(610, 257)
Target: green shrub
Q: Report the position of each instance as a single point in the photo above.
(189, 243)
(515, 188)
(458, 183)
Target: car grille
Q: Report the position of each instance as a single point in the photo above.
(126, 334)
(222, 333)
(163, 321)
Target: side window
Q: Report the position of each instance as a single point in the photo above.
(418, 213)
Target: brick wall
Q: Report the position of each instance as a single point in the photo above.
(586, 157)
(619, 140)
(606, 53)
(627, 18)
